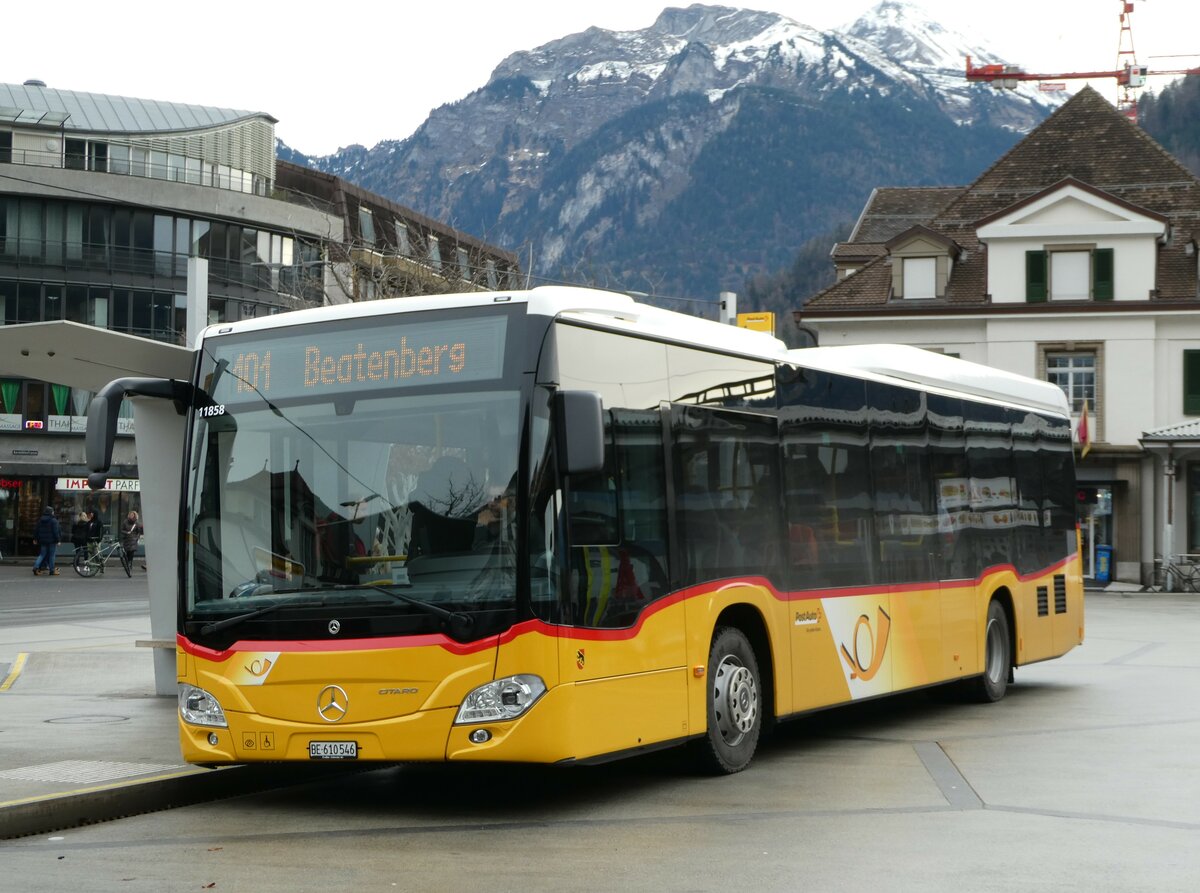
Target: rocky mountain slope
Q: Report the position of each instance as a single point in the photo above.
(687, 156)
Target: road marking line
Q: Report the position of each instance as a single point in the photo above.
(17, 667)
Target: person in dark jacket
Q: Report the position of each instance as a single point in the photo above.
(46, 533)
(95, 528)
(79, 532)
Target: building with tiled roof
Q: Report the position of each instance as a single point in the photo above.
(1073, 258)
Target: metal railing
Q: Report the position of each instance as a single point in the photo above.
(230, 180)
(297, 280)
(156, 171)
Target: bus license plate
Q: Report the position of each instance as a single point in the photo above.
(333, 750)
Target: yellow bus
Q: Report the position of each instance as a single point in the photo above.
(560, 526)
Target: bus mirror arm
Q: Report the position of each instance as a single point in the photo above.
(105, 409)
(579, 421)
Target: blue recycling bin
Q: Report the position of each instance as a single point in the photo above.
(1103, 563)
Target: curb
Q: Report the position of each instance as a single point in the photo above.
(185, 787)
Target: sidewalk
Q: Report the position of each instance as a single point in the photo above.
(83, 737)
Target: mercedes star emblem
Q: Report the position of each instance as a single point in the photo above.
(335, 627)
(332, 703)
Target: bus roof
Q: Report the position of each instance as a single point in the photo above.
(587, 305)
(929, 370)
(620, 312)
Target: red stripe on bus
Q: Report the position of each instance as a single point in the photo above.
(552, 630)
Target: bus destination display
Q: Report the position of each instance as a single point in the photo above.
(387, 356)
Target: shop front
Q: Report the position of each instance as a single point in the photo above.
(1095, 514)
(23, 498)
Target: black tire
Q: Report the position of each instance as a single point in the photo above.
(735, 708)
(83, 565)
(997, 656)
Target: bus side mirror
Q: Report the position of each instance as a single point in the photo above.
(105, 409)
(579, 424)
(102, 416)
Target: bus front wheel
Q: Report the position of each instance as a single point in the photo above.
(997, 656)
(734, 704)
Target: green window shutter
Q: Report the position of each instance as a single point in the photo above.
(1035, 276)
(1102, 274)
(1191, 382)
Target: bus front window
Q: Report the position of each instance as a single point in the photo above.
(384, 500)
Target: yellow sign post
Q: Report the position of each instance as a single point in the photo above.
(759, 322)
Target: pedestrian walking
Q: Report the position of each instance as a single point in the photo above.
(46, 533)
(131, 531)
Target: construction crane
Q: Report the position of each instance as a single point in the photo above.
(1129, 75)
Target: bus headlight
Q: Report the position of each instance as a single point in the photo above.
(503, 699)
(200, 708)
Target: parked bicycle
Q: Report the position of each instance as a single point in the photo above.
(93, 558)
(1180, 573)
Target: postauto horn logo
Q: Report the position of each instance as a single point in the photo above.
(874, 642)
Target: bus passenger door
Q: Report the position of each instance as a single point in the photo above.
(841, 611)
(905, 534)
(623, 645)
(953, 553)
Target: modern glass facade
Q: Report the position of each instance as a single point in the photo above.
(141, 256)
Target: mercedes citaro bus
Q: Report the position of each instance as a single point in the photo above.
(561, 526)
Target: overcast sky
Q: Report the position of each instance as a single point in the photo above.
(361, 72)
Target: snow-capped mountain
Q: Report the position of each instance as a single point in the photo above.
(614, 155)
(902, 35)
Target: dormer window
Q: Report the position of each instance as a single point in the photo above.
(920, 277)
(921, 263)
(403, 246)
(366, 226)
(1071, 242)
(1069, 273)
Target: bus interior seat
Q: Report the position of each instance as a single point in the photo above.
(711, 543)
(443, 507)
(433, 533)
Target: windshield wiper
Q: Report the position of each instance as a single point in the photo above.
(217, 625)
(458, 623)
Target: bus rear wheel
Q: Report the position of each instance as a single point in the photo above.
(997, 656)
(734, 704)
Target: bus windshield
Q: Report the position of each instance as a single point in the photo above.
(390, 496)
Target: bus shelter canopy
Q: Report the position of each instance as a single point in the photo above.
(83, 356)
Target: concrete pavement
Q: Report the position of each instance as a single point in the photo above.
(83, 737)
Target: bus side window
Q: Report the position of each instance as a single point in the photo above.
(827, 483)
(618, 526)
